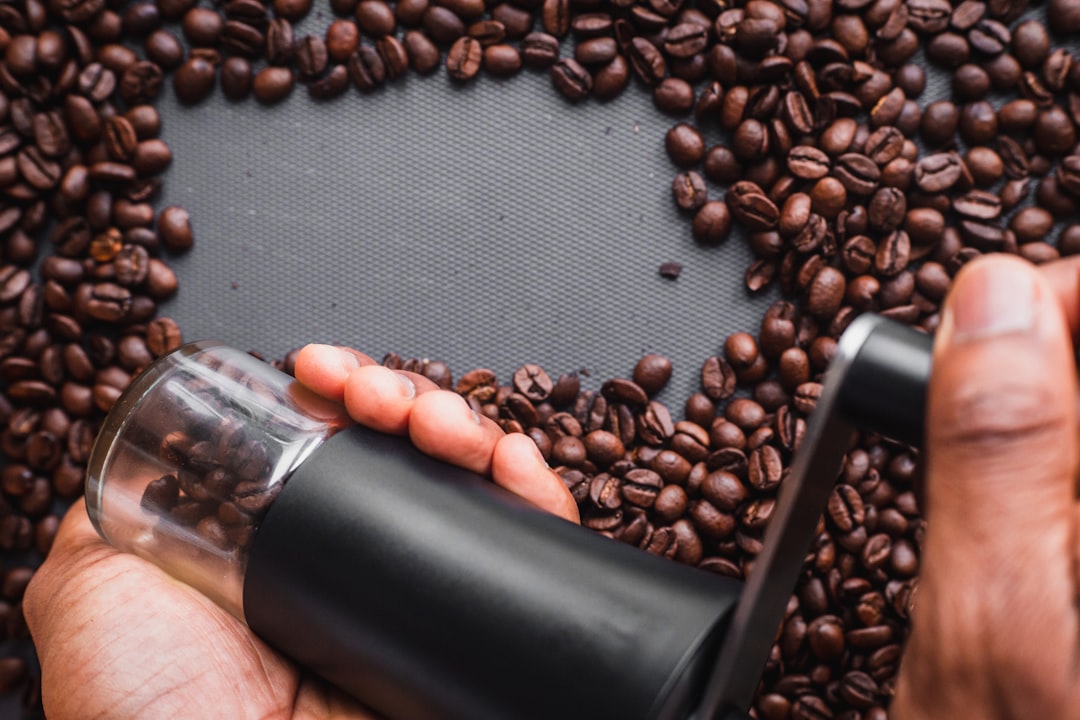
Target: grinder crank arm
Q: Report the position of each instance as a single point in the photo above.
(877, 381)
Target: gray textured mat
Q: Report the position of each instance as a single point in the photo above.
(491, 224)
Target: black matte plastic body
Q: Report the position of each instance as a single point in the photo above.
(885, 386)
(429, 593)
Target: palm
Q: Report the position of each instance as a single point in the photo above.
(207, 663)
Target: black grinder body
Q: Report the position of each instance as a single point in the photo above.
(432, 594)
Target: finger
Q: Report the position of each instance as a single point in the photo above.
(1001, 404)
(444, 426)
(1001, 467)
(382, 399)
(1063, 276)
(422, 383)
(324, 368)
(518, 466)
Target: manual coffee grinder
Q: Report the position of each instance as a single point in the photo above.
(428, 592)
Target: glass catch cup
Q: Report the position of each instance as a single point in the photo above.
(192, 456)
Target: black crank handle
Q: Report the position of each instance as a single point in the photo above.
(885, 386)
(877, 381)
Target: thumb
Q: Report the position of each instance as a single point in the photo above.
(1002, 414)
(996, 587)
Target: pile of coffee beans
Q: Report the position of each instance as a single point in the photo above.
(799, 121)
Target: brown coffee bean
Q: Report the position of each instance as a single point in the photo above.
(571, 80)
(751, 207)
(674, 96)
(502, 60)
(717, 379)
(652, 372)
(808, 162)
(685, 145)
(236, 78)
(826, 292)
(689, 191)
(174, 227)
(193, 81)
(826, 638)
(646, 60)
(464, 58)
(273, 84)
(342, 39)
(712, 223)
(375, 18)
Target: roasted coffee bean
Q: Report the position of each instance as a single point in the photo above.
(342, 39)
(752, 209)
(689, 191)
(161, 495)
(651, 372)
(717, 378)
(641, 487)
(720, 165)
(502, 60)
(193, 81)
(440, 24)
(808, 162)
(858, 689)
(858, 173)
(464, 58)
(518, 22)
(423, 54)
(685, 145)
(1031, 224)
(174, 227)
(1054, 131)
(272, 84)
(765, 468)
(674, 96)
(366, 68)
(826, 292)
(646, 60)
(595, 51)
(539, 50)
(163, 336)
(375, 18)
(626, 392)
(571, 79)
(236, 78)
(936, 173)
(978, 205)
(312, 58)
(978, 123)
(686, 40)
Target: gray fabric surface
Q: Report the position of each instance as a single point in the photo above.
(492, 224)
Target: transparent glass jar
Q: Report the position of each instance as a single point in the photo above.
(193, 454)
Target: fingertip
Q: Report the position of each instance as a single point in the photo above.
(324, 368)
(518, 466)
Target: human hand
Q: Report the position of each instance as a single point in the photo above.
(995, 628)
(119, 638)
